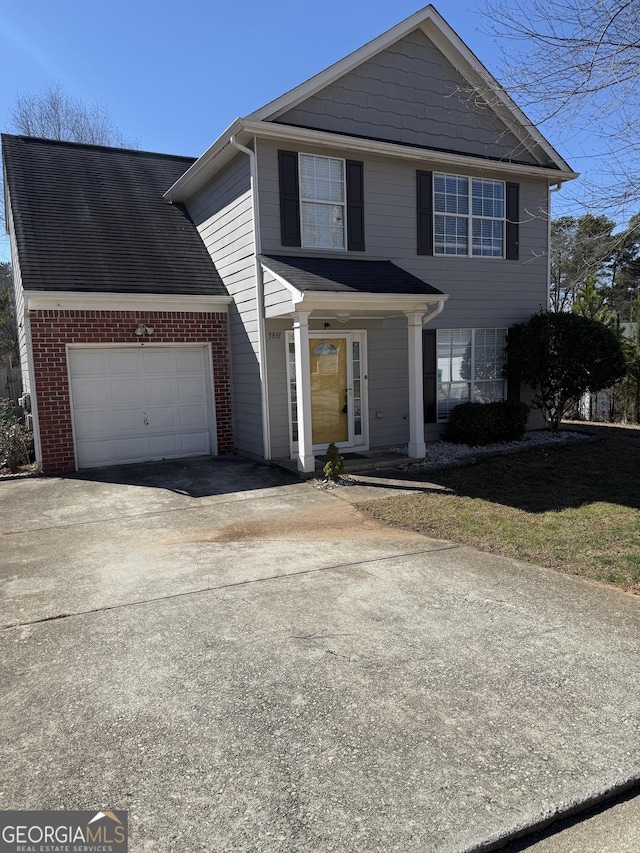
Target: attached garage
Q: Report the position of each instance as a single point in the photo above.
(104, 397)
(135, 404)
(124, 327)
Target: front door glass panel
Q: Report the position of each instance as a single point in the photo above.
(329, 400)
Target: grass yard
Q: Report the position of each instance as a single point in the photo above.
(575, 508)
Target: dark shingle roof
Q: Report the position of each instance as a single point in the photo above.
(344, 275)
(89, 218)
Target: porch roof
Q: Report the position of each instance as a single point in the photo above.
(345, 275)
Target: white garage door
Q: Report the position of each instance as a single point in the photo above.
(133, 404)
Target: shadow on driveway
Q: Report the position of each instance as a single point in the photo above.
(200, 477)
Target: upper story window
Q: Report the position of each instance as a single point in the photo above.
(468, 216)
(322, 201)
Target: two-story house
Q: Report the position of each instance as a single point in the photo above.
(378, 229)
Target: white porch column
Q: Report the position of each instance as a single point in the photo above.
(306, 459)
(417, 448)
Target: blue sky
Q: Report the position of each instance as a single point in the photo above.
(173, 76)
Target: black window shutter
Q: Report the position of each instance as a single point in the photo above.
(289, 198)
(513, 222)
(513, 389)
(355, 206)
(429, 375)
(425, 212)
(513, 382)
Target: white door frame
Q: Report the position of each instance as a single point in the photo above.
(354, 442)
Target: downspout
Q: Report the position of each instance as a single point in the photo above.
(552, 189)
(262, 360)
(431, 315)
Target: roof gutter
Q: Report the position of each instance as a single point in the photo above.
(201, 164)
(219, 154)
(272, 130)
(385, 304)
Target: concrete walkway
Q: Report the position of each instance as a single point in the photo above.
(246, 663)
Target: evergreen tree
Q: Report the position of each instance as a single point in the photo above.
(580, 249)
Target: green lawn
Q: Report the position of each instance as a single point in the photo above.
(574, 508)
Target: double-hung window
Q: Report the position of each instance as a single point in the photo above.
(322, 201)
(470, 364)
(468, 216)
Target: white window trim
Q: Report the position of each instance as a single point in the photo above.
(472, 382)
(470, 217)
(304, 200)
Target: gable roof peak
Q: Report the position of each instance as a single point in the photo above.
(429, 21)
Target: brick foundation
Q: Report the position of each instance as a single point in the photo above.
(52, 330)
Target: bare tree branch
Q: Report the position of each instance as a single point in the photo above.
(53, 114)
(574, 66)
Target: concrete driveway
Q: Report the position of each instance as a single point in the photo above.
(246, 663)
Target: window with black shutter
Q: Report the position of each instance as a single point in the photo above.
(513, 222)
(289, 198)
(355, 205)
(425, 212)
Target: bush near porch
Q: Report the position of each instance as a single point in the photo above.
(487, 423)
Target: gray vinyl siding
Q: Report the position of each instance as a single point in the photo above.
(388, 365)
(410, 93)
(222, 212)
(276, 295)
(277, 354)
(483, 292)
(388, 385)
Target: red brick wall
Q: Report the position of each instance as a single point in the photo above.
(52, 330)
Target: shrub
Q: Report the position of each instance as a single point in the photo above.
(9, 411)
(561, 356)
(15, 440)
(488, 423)
(334, 463)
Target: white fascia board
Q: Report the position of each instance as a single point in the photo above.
(395, 303)
(290, 133)
(40, 300)
(221, 152)
(359, 304)
(183, 186)
(295, 293)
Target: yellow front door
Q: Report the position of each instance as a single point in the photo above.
(329, 404)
